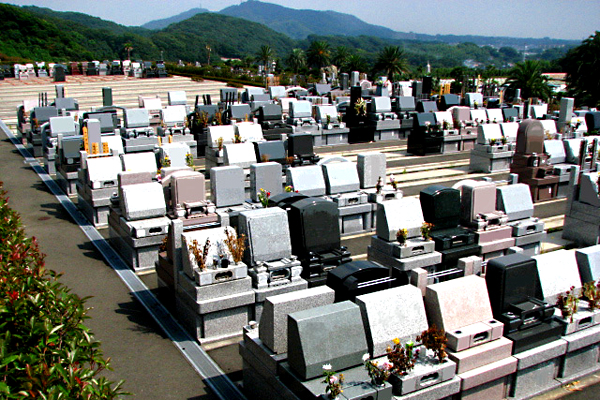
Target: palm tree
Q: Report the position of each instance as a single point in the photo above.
(528, 77)
(392, 60)
(296, 60)
(581, 65)
(319, 54)
(128, 47)
(355, 62)
(264, 55)
(340, 57)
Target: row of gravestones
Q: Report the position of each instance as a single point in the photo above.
(505, 338)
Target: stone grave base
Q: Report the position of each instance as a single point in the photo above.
(451, 144)
(537, 370)
(138, 258)
(482, 161)
(405, 264)
(67, 181)
(356, 385)
(98, 216)
(489, 381)
(335, 136)
(387, 134)
(50, 164)
(216, 318)
(355, 219)
(481, 356)
(582, 356)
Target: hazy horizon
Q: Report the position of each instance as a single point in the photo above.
(557, 19)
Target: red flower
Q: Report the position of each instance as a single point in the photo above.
(14, 295)
(79, 382)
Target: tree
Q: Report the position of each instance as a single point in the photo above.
(319, 54)
(528, 77)
(265, 55)
(128, 47)
(392, 61)
(340, 57)
(582, 65)
(356, 63)
(296, 60)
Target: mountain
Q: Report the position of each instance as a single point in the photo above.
(82, 19)
(298, 24)
(227, 36)
(163, 23)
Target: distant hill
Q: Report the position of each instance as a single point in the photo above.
(298, 24)
(84, 20)
(163, 23)
(227, 36)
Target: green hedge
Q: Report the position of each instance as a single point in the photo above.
(46, 352)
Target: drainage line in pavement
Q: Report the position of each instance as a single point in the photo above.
(213, 376)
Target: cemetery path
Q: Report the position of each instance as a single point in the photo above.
(141, 355)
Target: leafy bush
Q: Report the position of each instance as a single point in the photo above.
(45, 350)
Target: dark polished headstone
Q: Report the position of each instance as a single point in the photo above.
(356, 278)
(517, 301)
(273, 150)
(315, 236)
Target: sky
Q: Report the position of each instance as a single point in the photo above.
(558, 19)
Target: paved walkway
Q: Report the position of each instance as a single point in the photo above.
(141, 355)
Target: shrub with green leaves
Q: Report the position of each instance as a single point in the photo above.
(46, 352)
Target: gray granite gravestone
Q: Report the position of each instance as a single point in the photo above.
(371, 167)
(265, 176)
(588, 261)
(273, 322)
(227, 186)
(332, 334)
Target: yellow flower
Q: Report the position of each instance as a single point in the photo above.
(396, 341)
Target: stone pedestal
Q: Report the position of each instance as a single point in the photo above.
(537, 370)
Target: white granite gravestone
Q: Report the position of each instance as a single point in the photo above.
(558, 271)
(139, 162)
(393, 215)
(341, 177)
(144, 200)
(307, 180)
(268, 235)
(392, 313)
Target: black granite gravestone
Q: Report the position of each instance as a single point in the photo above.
(449, 100)
(441, 207)
(510, 114)
(592, 120)
(60, 73)
(315, 237)
(424, 138)
(300, 147)
(108, 120)
(516, 300)
(356, 278)
(273, 150)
